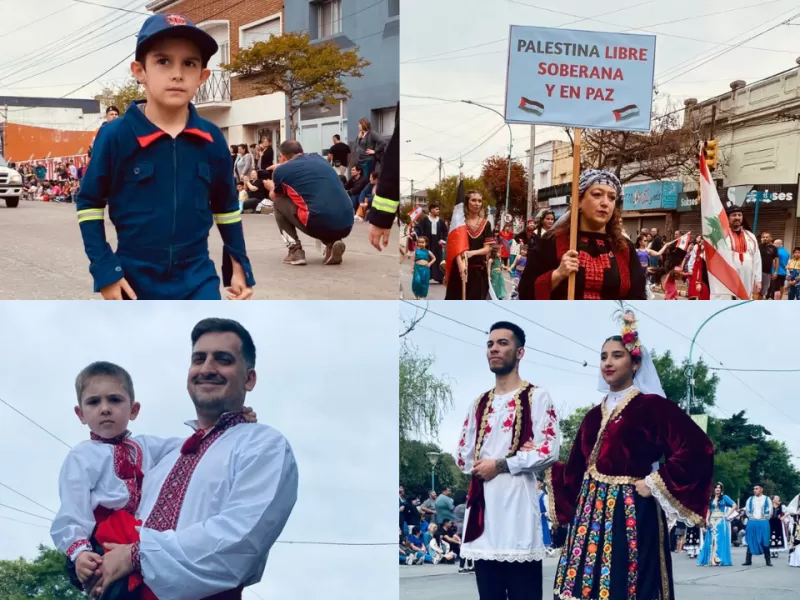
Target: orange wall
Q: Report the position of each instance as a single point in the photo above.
(24, 141)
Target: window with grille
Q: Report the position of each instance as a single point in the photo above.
(260, 33)
(329, 17)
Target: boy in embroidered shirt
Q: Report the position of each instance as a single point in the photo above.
(165, 174)
(101, 479)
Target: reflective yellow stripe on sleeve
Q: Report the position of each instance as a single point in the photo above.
(385, 205)
(228, 218)
(91, 214)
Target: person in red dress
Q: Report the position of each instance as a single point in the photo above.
(605, 263)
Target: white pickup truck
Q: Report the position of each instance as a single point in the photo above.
(10, 184)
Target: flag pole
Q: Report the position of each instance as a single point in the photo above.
(573, 217)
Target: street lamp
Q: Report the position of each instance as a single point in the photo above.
(433, 457)
(438, 161)
(510, 145)
(689, 372)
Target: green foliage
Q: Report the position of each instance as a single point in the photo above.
(122, 96)
(569, 429)
(673, 380)
(415, 469)
(732, 468)
(308, 73)
(43, 578)
(424, 396)
(445, 193)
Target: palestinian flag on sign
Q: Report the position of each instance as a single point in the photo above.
(626, 112)
(531, 106)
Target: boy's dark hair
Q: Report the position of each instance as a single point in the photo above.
(359, 168)
(416, 530)
(215, 325)
(519, 334)
(796, 248)
(337, 137)
(112, 108)
(239, 184)
(376, 174)
(291, 148)
(103, 369)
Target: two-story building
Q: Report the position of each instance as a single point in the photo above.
(758, 129)
(232, 104)
(374, 28)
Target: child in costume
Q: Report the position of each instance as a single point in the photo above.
(100, 483)
(496, 273)
(421, 271)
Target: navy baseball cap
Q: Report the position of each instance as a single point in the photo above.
(160, 27)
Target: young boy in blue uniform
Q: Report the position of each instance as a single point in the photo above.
(165, 174)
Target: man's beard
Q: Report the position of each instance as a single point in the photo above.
(504, 369)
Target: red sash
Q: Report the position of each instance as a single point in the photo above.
(117, 527)
(475, 498)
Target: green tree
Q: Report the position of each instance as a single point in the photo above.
(307, 73)
(122, 95)
(569, 430)
(445, 193)
(732, 468)
(424, 396)
(673, 380)
(415, 469)
(43, 578)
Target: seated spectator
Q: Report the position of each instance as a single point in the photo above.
(407, 555)
(439, 549)
(256, 191)
(450, 536)
(308, 197)
(366, 196)
(416, 544)
(356, 185)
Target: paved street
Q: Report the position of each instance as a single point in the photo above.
(42, 258)
(781, 582)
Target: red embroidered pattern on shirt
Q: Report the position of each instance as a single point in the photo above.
(594, 268)
(127, 462)
(512, 413)
(167, 508)
(549, 432)
(75, 545)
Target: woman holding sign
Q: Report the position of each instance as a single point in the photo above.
(605, 263)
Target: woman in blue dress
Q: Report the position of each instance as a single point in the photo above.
(716, 550)
(423, 259)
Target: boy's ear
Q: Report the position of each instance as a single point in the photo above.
(135, 410)
(137, 70)
(79, 412)
(205, 75)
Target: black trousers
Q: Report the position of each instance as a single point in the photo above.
(509, 580)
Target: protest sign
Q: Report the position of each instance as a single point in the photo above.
(587, 79)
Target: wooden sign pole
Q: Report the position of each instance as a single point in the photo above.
(573, 220)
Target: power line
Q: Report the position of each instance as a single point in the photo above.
(25, 512)
(483, 348)
(34, 22)
(8, 487)
(583, 363)
(498, 305)
(24, 522)
(757, 370)
(136, 12)
(52, 435)
(99, 76)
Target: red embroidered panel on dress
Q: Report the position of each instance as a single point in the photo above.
(167, 508)
(594, 269)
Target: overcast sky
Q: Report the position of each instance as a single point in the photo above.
(754, 336)
(457, 49)
(327, 374)
(37, 37)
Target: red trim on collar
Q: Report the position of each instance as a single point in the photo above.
(146, 140)
(200, 133)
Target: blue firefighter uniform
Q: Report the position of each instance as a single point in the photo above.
(163, 195)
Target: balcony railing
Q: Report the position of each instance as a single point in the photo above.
(216, 89)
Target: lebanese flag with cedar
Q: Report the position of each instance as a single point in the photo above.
(457, 240)
(722, 276)
(684, 241)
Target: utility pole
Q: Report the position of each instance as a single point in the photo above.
(5, 128)
(531, 174)
(440, 169)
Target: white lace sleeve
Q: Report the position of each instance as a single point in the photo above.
(673, 511)
(466, 445)
(546, 437)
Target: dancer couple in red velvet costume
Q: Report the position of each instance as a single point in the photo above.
(175, 519)
(615, 493)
